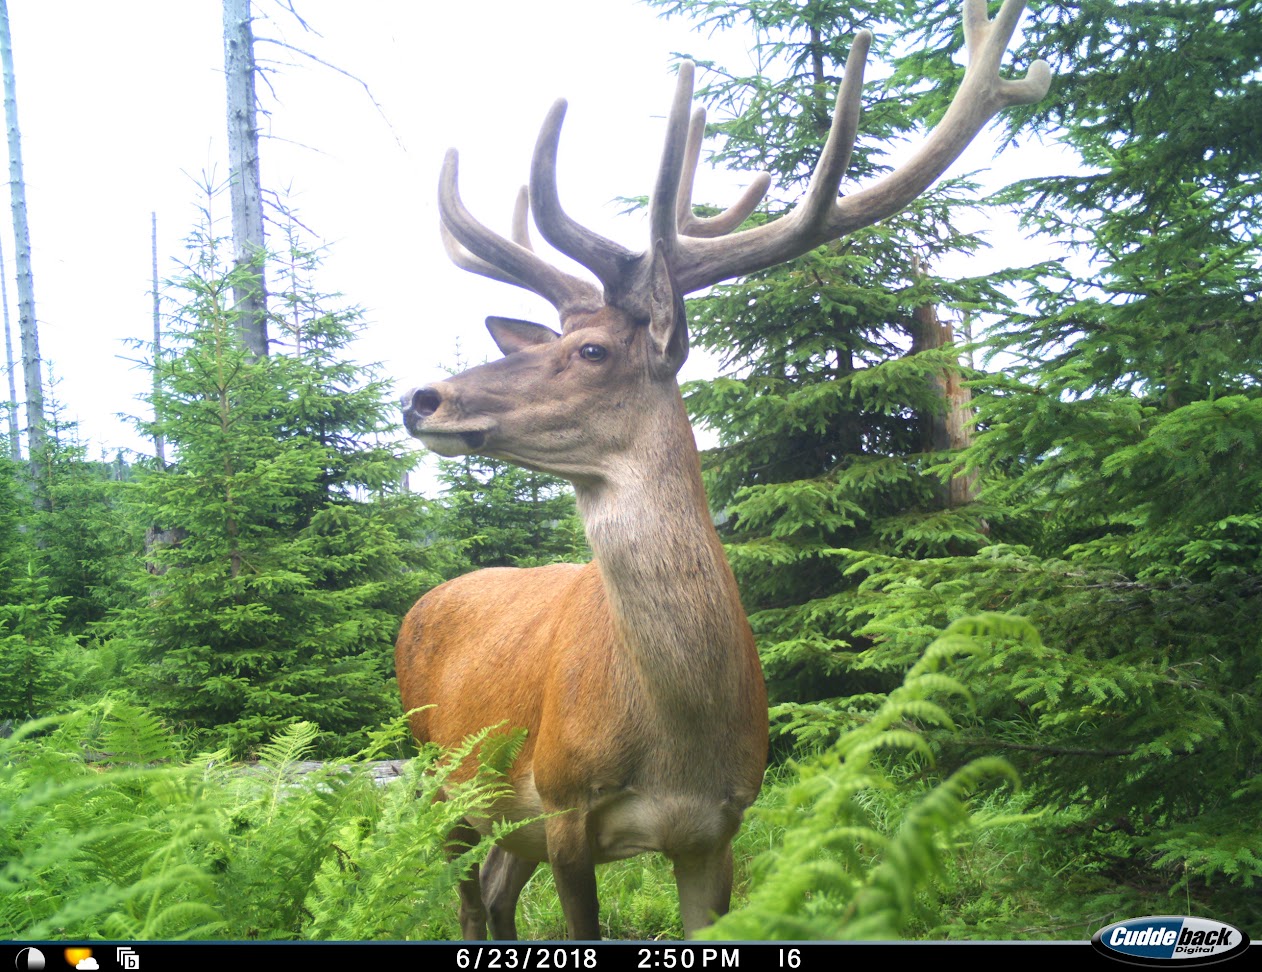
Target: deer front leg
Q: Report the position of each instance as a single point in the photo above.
(472, 910)
(503, 877)
(705, 887)
(574, 872)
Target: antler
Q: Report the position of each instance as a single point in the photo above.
(700, 262)
(687, 222)
(705, 251)
(473, 247)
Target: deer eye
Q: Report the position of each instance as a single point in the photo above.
(593, 352)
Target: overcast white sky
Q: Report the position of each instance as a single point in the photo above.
(122, 111)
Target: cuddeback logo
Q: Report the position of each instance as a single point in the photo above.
(1170, 939)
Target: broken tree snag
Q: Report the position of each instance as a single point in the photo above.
(950, 426)
(249, 291)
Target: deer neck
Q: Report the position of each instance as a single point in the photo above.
(674, 602)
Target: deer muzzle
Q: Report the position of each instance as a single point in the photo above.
(421, 408)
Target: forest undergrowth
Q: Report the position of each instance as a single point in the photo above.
(110, 829)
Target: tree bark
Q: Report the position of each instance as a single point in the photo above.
(15, 441)
(249, 290)
(950, 427)
(32, 366)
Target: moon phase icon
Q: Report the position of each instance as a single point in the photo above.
(30, 958)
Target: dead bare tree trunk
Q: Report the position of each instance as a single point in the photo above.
(250, 292)
(950, 427)
(159, 443)
(32, 366)
(15, 442)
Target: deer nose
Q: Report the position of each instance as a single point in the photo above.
(422, 402)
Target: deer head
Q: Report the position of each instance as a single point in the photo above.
(627, 335)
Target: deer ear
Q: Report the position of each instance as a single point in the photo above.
(668, 323)
(512, 335)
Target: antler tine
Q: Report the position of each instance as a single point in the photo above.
(521, 219)
(706, 226)
(987, 40)
(465, 260)
(475, 248)
(692, 154)
(662, 204)
(822, 217)
(821, 194)
(605, 258)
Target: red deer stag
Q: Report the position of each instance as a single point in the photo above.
(635, 675)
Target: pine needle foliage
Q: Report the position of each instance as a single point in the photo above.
(85, 537)
(1138, 715)
(107, 831)
(33, 647)
(1120, 450)
(59, 572)
(490, 513)
(297, 550)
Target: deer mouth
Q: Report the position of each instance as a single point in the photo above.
(451, 444)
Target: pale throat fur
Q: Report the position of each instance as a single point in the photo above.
(673, 598)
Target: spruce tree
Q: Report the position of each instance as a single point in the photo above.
(296, 557)
(491, 513)
(28, 619)
(1119, 452)
(87, 537)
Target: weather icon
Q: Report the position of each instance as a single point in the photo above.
(81, 958)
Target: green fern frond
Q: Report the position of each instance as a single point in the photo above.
(844, 868)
